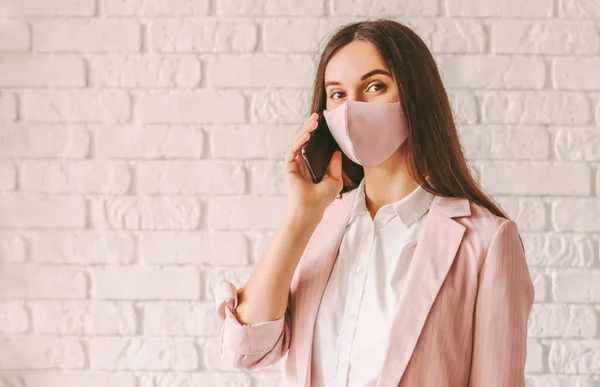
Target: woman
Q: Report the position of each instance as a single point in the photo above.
(413, 276)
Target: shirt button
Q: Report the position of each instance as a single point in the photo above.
(360, 270)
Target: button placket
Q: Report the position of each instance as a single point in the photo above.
(357, 285)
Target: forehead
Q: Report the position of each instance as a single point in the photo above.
(353, 60)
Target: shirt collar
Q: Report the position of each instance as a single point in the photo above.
(408, 209)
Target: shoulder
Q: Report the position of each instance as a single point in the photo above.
(483, 228)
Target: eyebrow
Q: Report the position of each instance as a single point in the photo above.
(365, 76)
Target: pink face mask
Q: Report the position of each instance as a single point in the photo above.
(367, 132)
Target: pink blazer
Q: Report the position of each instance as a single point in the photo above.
(461, 320)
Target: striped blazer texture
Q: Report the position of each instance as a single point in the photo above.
(460, 321)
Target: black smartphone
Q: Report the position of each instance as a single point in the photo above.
(319, 148)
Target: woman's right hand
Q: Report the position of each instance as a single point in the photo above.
(303, 194)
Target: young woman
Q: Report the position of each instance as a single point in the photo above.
(413, 276)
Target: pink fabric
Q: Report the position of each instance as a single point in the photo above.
(368, 133)
(461, 321)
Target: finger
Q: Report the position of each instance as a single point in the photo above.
(309, 126)
(294, 148)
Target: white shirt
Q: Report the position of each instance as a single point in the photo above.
(359, 302)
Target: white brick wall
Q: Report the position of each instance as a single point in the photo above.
(140, 154)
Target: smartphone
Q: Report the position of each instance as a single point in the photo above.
(319, 148)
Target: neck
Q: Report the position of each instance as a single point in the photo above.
(387, 183)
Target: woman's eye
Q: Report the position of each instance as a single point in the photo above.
(380, 85)
(332, 96)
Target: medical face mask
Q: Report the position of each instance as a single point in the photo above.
(367, 132)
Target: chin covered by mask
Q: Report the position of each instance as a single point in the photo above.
(367, 132)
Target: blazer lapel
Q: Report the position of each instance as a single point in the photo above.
(438, 243)
(313, 272)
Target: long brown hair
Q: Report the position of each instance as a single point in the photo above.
(435, 156)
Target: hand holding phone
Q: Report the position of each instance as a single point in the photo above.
(317, 151)
(312, 185)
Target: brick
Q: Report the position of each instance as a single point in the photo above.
(492, 72)
(42, 71)
(44, 141)
(267, 178)
(554, 380)
(180, 319)
(83, 247)
(76, 106)
(464, 107)
(543, 37)
(186, 177)
(500, 142)
(146, 71)
(156, 7)
(270, 7)
(530, 107)
(577, 214)
(8, 177)
(253, 71)
(280, 106)
(530, 214)
(204, 378)
(203, 106)
(139, 354)
(535, 361)
(576, 73)
(597, 110)
(92, 35)
(559, 320)
(83, 317)
(42, 282)
(575, 357)
(501, 8)
(27, 210)
(383, 8)
(8, 107)
(504, 178)
(18, 8)
(14, 36)
(75, 177)
(451, 35)
(252, 141)
(576, 285)
(148, 141)
(577, 144)
(76, 378)
(146, 213)
(245, 213)
(215, 248)
(202, 35)
(13, 318)
(42, 353)
(129, 283)
(215, 277)
(541, 284)
(561, 250)
(295, 35)
(15, 246)
(579, 9)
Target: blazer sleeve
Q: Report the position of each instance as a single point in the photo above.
(250, 346)
(504, 300)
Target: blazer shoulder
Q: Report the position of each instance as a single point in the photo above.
(482, 227)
